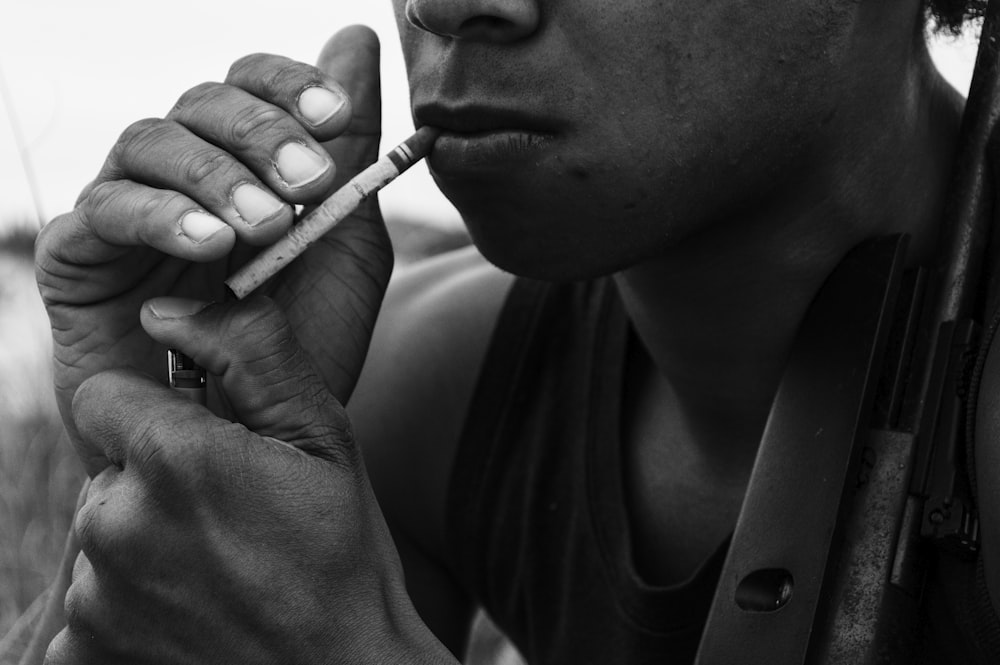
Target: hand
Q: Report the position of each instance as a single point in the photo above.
(172, 212)
(205, 541)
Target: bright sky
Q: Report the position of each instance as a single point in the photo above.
(78, 72)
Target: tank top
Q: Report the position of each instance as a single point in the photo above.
(537, 519)
(537, 523)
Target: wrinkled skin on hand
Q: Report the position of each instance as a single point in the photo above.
(125, 241)
(206, 540)
(249, 534)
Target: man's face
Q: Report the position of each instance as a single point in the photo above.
(584, 135)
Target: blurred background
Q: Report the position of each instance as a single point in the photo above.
(72, 76)
(75, 74)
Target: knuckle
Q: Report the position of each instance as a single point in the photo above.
(250, 123)
(75, 604)
(100, 197)
(272, 76)
(72, 646)
(109, 199)
(140, 136)
(57, 651)
(195, 97)
(47, 240)
(91, 522)
(86, 190)
(201, 166)
(278, 77)
(85, 525)
(83, 398)
(96, 392)
(122, 201)
(243, 66)
(90, 624)
(151, 208)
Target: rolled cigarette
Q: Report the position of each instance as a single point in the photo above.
(331, 212)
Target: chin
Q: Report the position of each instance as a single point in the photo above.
(544, 249)
(558, 228)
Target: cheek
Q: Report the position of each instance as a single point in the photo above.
(679, 116)
(569, 219)
(718, 105)
(700, 63)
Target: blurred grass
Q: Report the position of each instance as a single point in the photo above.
(39, 474)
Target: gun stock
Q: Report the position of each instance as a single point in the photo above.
(862, 463)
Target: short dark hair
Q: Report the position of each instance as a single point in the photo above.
(951, 15)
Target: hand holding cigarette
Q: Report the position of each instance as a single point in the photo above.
(167, 224)
(331, 212)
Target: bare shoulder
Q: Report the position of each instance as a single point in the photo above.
(409, 407)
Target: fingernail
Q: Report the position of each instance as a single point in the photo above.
(200, 226)
(317, 105)
(255, 205)
(169, 307)
(298, 165)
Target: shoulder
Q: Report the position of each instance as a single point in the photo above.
(410, 403)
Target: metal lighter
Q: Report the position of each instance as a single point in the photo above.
(186, 376)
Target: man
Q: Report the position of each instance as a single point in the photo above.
(569, 452)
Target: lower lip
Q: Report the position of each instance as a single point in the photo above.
(485, 151)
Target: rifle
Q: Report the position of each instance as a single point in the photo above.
(863, 466)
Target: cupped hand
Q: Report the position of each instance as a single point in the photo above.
(207, 541)
(182, 201)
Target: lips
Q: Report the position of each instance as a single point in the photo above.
(476, 119)
(480, 138)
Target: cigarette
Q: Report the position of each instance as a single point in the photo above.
(331, 212)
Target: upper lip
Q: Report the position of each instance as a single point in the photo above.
(476, 119)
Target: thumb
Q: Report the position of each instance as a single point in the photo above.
(341, 279)
(266, 378)
(351, 57)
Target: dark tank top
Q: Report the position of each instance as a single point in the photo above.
(537, 517)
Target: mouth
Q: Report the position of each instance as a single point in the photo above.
(477, 138)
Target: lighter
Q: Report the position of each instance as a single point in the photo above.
(186, 376)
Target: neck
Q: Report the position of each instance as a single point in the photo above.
(717, 314)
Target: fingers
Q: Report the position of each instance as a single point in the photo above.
(267, 378)
(225, 152)
(228, 162)
(103, 621)
(70, 647)
(245, 147)
(238, 189)
(263, 136)
(117, 216)
(313, 97)
(121, 418)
